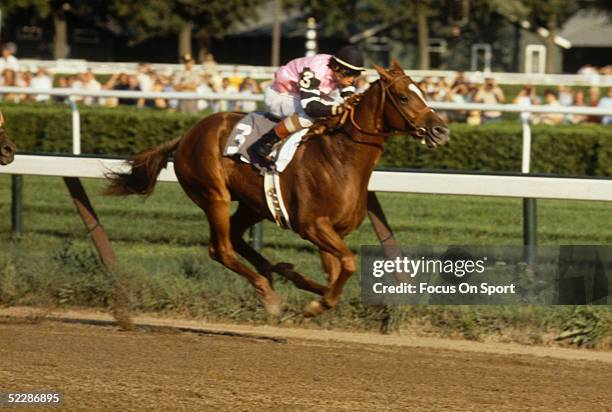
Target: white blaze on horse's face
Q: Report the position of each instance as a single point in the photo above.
(415, 89)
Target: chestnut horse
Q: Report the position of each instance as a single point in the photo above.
(7, 148)
(324, 187)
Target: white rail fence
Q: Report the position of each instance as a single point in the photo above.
(414, 181)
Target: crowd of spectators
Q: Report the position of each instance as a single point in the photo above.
(207, 78)
(462, 90)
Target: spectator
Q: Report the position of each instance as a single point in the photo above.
(248, 87)
(490, 93)
(77, 84)
(187, 80)
(89, 83)
(62, 83)
(8, 60)
(550, 99)
(9, 80)
(24, 78)
(459, 79)
(236, 79)
(593, 96)
(588, 70)
(145, 77)
(458, 94)
(422, 85)
(579, 100)
(158, 103)
(225, 105)
(593, 102)
(123, 81)
(429, 86)
(526, 97)
(205, 86)
(168, 82)
(41, 81)
(440, 91)
(566, 96)
(209, 67)
(606, 103)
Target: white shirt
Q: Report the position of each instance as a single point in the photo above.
(606, 103)
(41, 83)
(92, 86)
(145, 82)
(10, 63)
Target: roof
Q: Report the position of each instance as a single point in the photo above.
(588, 28)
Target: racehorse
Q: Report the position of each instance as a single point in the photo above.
(7, 147)
(324, 187)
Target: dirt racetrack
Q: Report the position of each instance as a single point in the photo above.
(99, 367)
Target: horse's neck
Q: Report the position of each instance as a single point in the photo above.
(363, 148)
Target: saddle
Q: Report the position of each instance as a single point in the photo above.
(252, 127)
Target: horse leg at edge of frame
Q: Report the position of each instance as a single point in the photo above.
(244, 218)
(221, 250)
(322, 234)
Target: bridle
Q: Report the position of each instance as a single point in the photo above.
(381, 130)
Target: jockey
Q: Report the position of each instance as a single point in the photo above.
(302, 91)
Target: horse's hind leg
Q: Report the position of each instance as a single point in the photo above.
(240, 221)
(243, 219)
(221, 250)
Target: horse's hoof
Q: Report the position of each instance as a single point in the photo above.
(314, 308)
(272, 304)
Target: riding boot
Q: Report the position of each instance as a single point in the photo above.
(261, 149)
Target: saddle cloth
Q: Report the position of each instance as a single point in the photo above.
(249, 129)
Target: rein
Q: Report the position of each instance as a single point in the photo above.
(378, 132)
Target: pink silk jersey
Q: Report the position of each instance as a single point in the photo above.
(287, 77)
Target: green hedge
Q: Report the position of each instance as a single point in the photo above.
(574, 150)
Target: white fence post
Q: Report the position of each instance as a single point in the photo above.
(76, 128)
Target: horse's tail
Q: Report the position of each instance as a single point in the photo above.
(142, 176)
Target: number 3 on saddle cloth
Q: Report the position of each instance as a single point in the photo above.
(246, 132)
(249, 129)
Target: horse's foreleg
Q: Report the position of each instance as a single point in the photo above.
(243, 219)
(221, 250)
(322, 234)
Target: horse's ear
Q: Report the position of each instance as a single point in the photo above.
(395, 65)
(383, 73)
(1, 119)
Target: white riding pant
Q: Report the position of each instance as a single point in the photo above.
(286, 104)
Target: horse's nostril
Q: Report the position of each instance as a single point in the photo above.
(7, 150)
(440, 131)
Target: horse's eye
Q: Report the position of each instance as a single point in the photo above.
(404, 99)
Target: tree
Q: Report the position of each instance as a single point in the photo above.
(144, 19)
(57, 10)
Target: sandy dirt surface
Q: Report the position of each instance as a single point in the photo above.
(169, 364)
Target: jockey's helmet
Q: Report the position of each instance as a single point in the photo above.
(349, 60)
